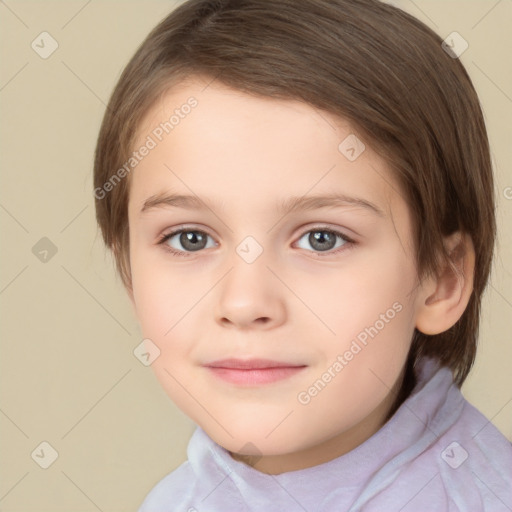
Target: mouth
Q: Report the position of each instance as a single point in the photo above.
(252, 372)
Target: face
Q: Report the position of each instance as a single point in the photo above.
(282, 331)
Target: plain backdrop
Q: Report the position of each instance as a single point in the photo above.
(69, 376)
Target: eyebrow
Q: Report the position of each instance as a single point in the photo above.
(289, 205)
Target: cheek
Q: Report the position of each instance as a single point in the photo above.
(155, 302)
(169, 302)
(354, 298)
(371, 311)
(163, 295)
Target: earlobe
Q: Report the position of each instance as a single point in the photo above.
(444, 299)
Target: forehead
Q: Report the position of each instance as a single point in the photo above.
(251, 151)
(220, 109)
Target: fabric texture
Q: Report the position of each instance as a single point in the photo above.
(437, 453)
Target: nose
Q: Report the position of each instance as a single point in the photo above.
(250, 296)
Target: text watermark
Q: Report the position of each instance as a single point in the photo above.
(150, 143)
(342, 360)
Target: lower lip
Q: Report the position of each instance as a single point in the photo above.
(255, 377)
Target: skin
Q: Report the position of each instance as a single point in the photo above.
(295, 302)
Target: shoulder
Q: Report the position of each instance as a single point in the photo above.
(471, 464)
(478, 457)
(457, 461)
(173, 492)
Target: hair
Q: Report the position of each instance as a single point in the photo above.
(363, 60)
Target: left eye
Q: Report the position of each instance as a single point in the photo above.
(323, 240)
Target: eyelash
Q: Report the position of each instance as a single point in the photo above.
(349, 243)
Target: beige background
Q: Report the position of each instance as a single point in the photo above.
(68, 373)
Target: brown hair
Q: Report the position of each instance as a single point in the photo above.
(363, 60)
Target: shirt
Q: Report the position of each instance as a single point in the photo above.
(436, 453)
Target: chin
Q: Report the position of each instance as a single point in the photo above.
(256, 438)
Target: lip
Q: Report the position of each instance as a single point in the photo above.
(250, 364)
(253, 372)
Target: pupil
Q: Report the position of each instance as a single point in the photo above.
(322, 238)
(190, 240)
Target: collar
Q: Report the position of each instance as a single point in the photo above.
(430, 410)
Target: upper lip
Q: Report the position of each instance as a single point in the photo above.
(250, 364)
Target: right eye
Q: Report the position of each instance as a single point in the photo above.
(192, 240)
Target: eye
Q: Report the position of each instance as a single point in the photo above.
(192, 240)
(321, 239)
(324, 240)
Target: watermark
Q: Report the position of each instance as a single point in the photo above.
(146, 352)
(249, 249)
(149, 144)
(342, 360)
(44, 250)
(454, 45)
(454, 455)
(351, 147)
(255, 454)
(44, 454)
(44, 45)
(507, 192)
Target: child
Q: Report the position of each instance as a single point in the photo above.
(332, 157)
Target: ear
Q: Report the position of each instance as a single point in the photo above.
(442, 300)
